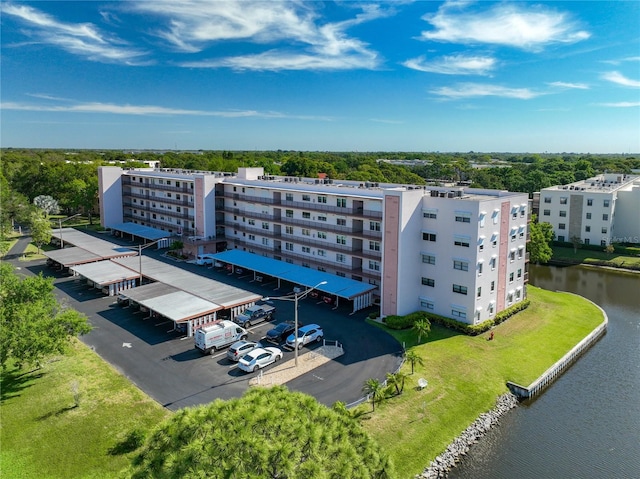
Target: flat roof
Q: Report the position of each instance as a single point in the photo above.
(206, 288)
(336, 285)
(171, 302)
(99, 247)
(71, 256)
(105, 272)
(146, 232)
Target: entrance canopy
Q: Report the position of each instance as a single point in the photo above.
(146, 232)
(335, 285)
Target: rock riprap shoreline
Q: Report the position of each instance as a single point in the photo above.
(442, 464)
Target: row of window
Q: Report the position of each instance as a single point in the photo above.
(587, 228)
(463, 217)
(563, 214)
(563, 201)
(159, 181)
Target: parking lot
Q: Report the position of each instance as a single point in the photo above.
(166, 365)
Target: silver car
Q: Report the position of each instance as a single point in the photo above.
(259, 358)
(240, 348)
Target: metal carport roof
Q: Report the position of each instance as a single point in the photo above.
(336, 285)
(105, 272)
(98, 247)
(71, 256)
(171, 302)
(146, 232)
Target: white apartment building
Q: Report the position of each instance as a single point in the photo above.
(457, 252)
(601, 210)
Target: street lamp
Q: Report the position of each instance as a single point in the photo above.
(60, 220)
(295, 297)
(140, 247)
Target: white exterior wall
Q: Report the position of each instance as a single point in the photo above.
(627, 217)
(110, 195)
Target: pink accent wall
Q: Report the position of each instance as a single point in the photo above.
(503, 254)
(199, 197)
(390, 265)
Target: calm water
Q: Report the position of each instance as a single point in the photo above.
(587, 424)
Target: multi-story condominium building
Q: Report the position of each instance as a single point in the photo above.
(598, 211)
(453, 251)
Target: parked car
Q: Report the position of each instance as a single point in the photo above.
(259, 358)
(240, 348)
(281, 331)
(122, 300)
(306, 335)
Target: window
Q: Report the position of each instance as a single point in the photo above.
(588, 216)
(430, 214)
(605, 203)
(518, 293)
(479, 292)
(322, 199)
(605, 217)
(306, 232)
(481, 219)
(480, 266)
(463, 217)
(322, 235)
(563, 214)
(546, 213)
(288, 246)
(511, 277)
(604, 230)
(603, 243)
(428, 282)
(547, 199)
(341, 274)
(519, 273)
(561, 238)
(374, 265)
(586, 241)
(461, 241)
(340, 258)
(492, 262)
(563, 200)
(495, 216)
(265, 241)
(306, 215)
(493, 286)
(562, 226)
(491, 306)
(589, 202)
(322, 218)
(426, 304)
(457, 288)
(322, 253)
(265, 225)
(587, 228)
(510, 298)
(456, 313)
(374, 226)
(520, 252)
(460, 265)
(306, 249)
(512, 256)
(428, 236)
(306, 197)
(341, 239)
(341, 202)
(428, 258)
(252, 237)
(288, 230)
(374, 245)
(341, 221)
(287, 196)
(289, 213)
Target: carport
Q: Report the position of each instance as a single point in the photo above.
(175, 304)
(144, 232)
(96, 247)
(360, 293)
(107, 275)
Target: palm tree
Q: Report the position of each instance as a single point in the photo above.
(413, 358)
(373, 387)
(423, 328)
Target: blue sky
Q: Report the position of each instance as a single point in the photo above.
(340, 76)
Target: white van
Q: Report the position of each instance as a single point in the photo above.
(216, 336)
(205, 259)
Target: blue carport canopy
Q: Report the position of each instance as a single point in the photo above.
(338, 286)
(146, 232)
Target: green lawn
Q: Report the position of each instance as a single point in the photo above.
(466, 375)
(624, 258)
(45, 436)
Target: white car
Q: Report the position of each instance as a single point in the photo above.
(241, 348)
(259, 358)
(306, 335)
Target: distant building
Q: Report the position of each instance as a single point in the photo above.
(453, 251)
(602, 210)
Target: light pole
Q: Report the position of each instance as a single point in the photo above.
(60, 220)
(140, 247)
(295, 298)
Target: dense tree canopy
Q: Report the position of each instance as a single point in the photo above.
(539, 247)
(268, 433)
(33, 324)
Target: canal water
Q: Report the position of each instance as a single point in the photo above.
(587, 424)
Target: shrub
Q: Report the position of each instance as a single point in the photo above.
(398, 322)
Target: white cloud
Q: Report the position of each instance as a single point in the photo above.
(82, 39)
(620, 79)
(516, 25)
(296, 36)
(454, 65)
(470, 90)
(622, 104)
(561, 84)
(387, 122)
(152, 110)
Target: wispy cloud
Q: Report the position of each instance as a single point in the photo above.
(470, 90)
(83, 39)
(386, 122)
(296, 37)
(454, 65)
(569, 86)
(152, 110)
(621, 104)
(516, 25)
(620, 79)
(622, 60)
